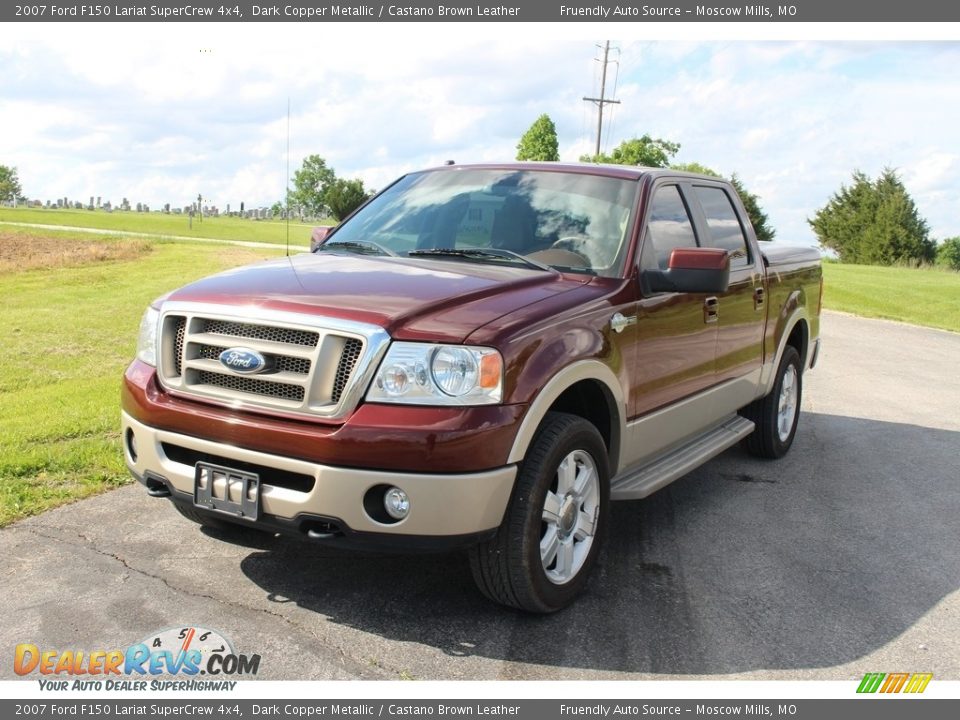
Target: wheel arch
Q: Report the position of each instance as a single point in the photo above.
(588, 389)
(795, 333)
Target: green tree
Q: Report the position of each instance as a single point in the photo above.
(948, 254)
(276, 209)
(540, 141)
(9, 184)
(874, 222)
(694, 167)
(310, 185)
(344, 196)
(751, 203)
(646, 151)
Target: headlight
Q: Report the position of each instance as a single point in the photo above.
(423, 374)
(147, 342)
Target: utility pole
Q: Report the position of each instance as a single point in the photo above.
(601, 101)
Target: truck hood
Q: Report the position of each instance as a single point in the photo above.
(413, 299)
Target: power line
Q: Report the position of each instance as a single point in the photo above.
(602, 100)
(613, 115)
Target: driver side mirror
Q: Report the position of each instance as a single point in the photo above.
(691, 270)
(320, 234)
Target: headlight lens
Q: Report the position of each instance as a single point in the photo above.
(147, 342)
(425, 374)
(454, 370)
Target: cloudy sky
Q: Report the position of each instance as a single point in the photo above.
(159, 113)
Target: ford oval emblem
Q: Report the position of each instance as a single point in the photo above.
(243, 360)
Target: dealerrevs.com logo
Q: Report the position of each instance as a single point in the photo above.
(177, 651)
(889, 683)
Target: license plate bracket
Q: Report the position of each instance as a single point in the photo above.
(226, 490)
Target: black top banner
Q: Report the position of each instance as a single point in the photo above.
(853, 11)
(375, 709)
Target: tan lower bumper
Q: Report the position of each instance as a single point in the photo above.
(453, 504)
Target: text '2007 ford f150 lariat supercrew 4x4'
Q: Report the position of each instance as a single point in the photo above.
(480, 357)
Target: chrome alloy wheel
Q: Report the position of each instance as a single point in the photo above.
(787, 404)
(570, 517)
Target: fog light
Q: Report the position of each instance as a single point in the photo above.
(396, 503)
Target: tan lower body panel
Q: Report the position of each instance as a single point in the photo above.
(662, 430)
(451, 504)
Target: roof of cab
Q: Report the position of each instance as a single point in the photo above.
(625, 172)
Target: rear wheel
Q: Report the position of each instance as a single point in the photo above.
(541, 557)
(776, 414)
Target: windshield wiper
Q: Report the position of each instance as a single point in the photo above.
(364, 247)
(480, 254)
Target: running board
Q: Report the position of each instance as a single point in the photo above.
(642, 481)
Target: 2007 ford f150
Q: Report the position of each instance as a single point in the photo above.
(480, 357)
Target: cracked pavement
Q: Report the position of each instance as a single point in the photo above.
(838, 560)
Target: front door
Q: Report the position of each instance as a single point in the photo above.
(676, 333)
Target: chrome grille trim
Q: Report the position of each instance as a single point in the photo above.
(318, 367)
(280, 363)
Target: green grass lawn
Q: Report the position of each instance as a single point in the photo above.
(929, 297)
(71, 325)
(70, 331)
(219, 228)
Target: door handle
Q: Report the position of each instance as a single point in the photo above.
(619, 323)
(711, 310)
(758, 298)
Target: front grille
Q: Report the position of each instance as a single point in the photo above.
(260, 332)
(268, 475)
(300, 366)
(319, 370)
(210, 352)
(348, 360)
(251, 386)
(277, 363)
(180, 329)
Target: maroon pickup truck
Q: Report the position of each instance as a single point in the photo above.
(480, 357)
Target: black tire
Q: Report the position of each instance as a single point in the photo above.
(511, 569)
(769, 439)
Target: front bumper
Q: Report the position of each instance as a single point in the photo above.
(297, 495)
(401, 438)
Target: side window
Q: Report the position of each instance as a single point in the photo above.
(725, 229)
(669, 224)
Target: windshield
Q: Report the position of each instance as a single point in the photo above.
(569, 221)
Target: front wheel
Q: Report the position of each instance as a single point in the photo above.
(541, 557)
(776, 414)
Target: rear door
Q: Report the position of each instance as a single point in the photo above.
(740, 311)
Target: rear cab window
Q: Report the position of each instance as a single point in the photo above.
(723, 224)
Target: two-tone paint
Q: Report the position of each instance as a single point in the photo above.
(660, 374)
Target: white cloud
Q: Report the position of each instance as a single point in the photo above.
(932, 170)
(158, 113)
